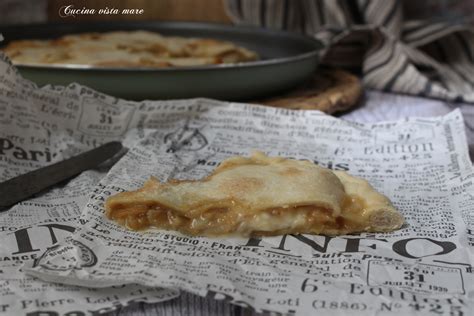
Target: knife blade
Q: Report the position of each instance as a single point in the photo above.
(24, 186)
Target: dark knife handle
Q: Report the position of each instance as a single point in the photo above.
(24, 186)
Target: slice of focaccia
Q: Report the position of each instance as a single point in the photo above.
(259, 195)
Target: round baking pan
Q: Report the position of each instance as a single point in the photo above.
(286, 59)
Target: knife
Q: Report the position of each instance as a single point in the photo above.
(24, 186)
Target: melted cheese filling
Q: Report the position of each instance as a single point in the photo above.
(221, 221)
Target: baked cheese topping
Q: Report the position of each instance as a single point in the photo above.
(259, 195)
(126, 49)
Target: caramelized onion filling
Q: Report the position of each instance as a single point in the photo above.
(221, 221)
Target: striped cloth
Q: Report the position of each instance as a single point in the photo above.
(432, 59)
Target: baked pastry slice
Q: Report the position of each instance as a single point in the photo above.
(259, 195)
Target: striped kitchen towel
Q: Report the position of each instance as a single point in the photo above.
(426, 58)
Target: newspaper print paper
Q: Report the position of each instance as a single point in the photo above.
(421, 164)
(37, 128)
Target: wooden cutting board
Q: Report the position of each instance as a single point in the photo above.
(329, 90)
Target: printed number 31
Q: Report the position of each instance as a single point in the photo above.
(410, 275)
(105, 118)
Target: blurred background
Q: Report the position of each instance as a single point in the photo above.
(28, 11)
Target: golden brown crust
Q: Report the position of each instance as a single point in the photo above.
(126, 49)
(258, 195)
